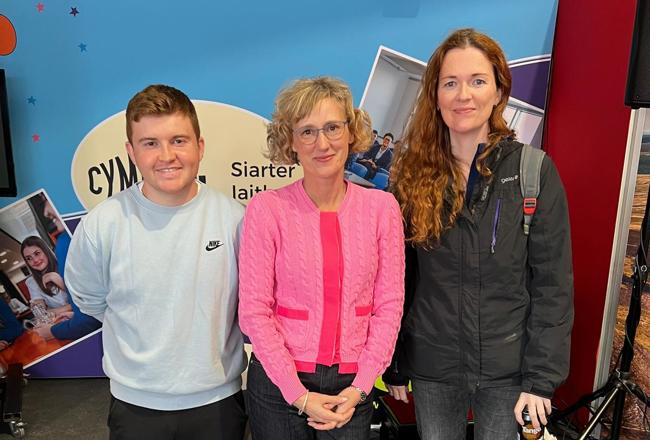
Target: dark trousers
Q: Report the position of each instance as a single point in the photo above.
(441, 411)
(272, 418)
(225, 419)
(372, 172)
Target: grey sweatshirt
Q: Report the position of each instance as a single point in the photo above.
(163, 280)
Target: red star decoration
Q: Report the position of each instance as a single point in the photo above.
(36, 137)
(40, 7)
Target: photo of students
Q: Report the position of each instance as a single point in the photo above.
(321, 275)
(490, 302)
(68, 324)
(378, 158)
(33, 247)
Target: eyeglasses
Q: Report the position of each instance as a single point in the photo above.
(332, 131)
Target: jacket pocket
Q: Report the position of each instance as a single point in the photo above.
(293, 325)
(361, 321)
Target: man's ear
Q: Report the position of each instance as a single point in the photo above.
(201, 148)
(129, 151)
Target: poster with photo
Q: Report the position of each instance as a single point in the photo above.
(390, 96)
(67, 96)
(38, 317)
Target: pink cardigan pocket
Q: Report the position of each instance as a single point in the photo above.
(294, 327)
(299, 314)
(363, 310)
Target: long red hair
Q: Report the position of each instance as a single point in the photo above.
(425, 171)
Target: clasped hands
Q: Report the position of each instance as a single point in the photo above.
(327, 412)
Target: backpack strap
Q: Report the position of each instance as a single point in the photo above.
(530, 166)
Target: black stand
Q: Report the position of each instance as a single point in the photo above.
(11, 400)
(618, 384)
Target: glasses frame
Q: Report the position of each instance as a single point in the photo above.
(318, 130)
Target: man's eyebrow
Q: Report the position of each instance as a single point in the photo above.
(147, 139)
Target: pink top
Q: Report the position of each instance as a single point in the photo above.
(328, 348)
(285, 277)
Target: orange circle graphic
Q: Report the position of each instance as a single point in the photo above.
(7, 36)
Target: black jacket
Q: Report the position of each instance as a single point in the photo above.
(488, 305)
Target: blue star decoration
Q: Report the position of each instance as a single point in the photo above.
(82, 47)
(31, 100)
(74, 11)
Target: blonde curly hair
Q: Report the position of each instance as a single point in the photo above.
(297, 101)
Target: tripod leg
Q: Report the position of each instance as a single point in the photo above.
(584, 401)
(595, 420)
(640, 394)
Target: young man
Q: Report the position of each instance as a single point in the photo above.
(378, 157)
(156, 264)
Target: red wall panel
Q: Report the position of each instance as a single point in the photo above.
(586, 136)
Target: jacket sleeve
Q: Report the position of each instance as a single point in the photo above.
(86, 273)
(550, 284)
(370, 154)
(394, 374)
(257, 252)
(10, 327)
(388, 298)
(80, 325)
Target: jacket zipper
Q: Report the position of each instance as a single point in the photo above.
(495, 224)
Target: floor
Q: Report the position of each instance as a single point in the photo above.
(68, 409)
(65, 409)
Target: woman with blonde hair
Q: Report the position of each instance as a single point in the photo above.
(321, 275)
(489, 306)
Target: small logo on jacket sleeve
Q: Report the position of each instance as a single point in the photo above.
(213, 244)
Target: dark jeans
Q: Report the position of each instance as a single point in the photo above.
(225, 419)
(441, 411)
(272, 418)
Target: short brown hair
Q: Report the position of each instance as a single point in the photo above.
(159, 99)
(296, 101)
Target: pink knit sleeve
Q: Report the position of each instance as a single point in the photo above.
(257, 251)
(388, 296)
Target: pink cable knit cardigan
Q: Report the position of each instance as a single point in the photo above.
(281, 283)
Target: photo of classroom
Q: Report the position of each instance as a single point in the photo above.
(37, 315)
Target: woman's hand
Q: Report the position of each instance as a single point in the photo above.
(538, 408)
(62, 311)
(354, 397)
(320, 410)
(53, 277)
(44, 331)
(398, 392)
(63, 316)
(3, 344)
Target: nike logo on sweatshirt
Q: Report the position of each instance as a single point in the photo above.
(213, 244)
